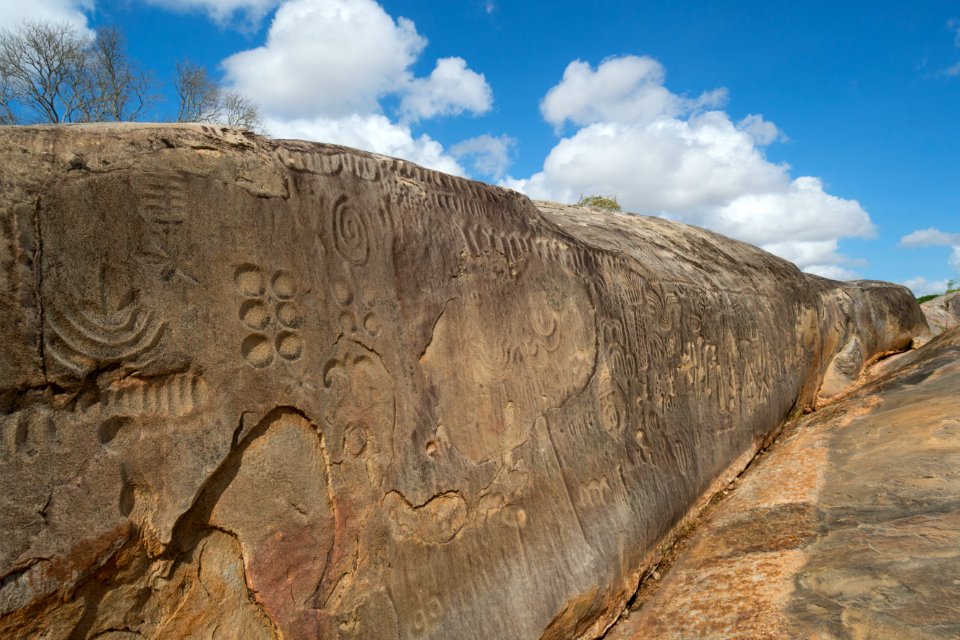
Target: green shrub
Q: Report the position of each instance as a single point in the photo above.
(927, 298)
(608, 203)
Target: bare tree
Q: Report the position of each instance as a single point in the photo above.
(118, 90)
(62, 74)
(7, 116)
(203, 100)
(239, 111)
(199, 96)
(43, 66)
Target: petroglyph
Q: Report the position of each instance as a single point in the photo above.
(491, 408)
(177, 395)
(360, 311)
(86, 334)
(351, 235)
(595, 493)
(271, 311)
(325, 162)
(162, 203)
(437, 521)
(25, 435)
(401, 405)
(612, 405)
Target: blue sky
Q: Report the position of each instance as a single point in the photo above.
(826, 132)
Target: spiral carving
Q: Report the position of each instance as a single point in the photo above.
(351, 238)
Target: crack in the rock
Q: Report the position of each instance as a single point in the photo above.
(38, 279)
(433, 329)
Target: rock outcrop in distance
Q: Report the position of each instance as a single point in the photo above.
(848, 527)
(281, 389)
(942, 312)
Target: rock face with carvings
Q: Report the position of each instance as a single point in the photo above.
(848, 527)
(942, 312)
(279, 389)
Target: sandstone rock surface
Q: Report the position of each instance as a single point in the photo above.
(849, 526)
(943, 312)
(862, 321)
(260, 389)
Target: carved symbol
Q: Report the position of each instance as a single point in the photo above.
(161, 203)
(611, 403)
(362, 306)
(351, 237)
(427, 615)
(436, 521)
(595, 493)
(272, 313)
(88, 335)
(545, 324)
(26, 434)
(176, 395)
(329, 163)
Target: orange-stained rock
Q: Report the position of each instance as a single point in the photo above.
(254, 388)
(849, 526)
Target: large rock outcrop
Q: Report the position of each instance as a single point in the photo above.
(861, 321)
(271, 388)
(848, 527)
(943, 312)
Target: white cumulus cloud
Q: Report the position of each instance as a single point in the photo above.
(933, 237)
(762, 131)
(73, 12)
(450, 89)
(664, 154)
(327, 57)
(489, 155)
(930, 237)
(627, 89)
(371, 132)
(922, 287)
(328, 67)
(223, 11)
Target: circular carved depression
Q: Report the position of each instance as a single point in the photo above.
(372, 324)
(257, 350)
(288, 313)
(249, 280)
(347, 322)
(289, 345)
(341, 290)
(255, 314)
(283, 286)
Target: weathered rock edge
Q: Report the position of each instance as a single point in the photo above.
(279, 388)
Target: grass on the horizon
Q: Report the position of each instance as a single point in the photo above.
(951, 288)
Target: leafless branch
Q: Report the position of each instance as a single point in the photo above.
(203, 100)
(61, 75)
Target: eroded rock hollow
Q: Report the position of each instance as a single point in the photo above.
(279, 389)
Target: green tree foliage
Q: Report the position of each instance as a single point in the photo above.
(951, 288)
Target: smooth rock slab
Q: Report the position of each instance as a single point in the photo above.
(273, 388)
(847, 528)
